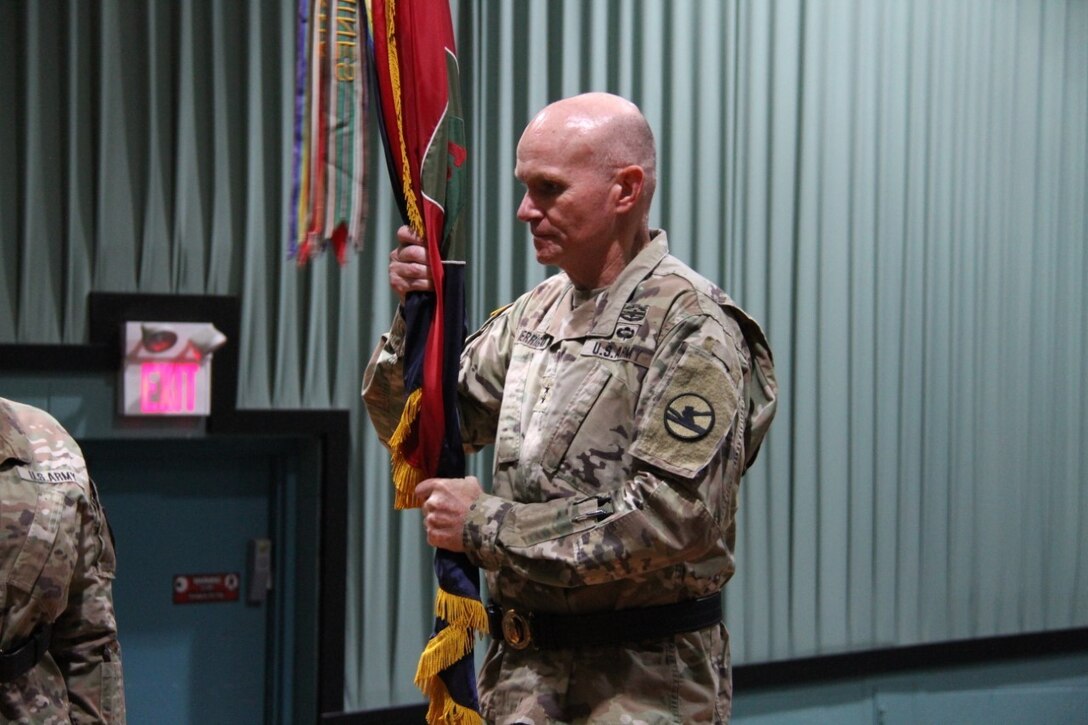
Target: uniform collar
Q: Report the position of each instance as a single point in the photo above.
(13, 441)
(598, 317)
(611, 302)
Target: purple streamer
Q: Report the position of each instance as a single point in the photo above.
(300, 106)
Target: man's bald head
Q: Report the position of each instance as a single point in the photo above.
(612, 129)
(588, 165)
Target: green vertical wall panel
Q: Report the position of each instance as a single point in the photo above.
(897, 190)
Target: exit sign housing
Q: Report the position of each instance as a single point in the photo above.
(167, 368)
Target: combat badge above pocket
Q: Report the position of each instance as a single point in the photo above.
(689, 415)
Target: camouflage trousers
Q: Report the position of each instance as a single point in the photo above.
(680, 679)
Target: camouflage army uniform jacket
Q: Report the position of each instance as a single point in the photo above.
(621, 426)
(56, 565)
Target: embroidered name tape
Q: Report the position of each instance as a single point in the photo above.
(60, 475)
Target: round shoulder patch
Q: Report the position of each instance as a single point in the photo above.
(688, 412)
(689, 417)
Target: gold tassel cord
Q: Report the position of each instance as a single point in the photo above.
(415, 219)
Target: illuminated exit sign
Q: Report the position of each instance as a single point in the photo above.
(170, 388)
(167, 367)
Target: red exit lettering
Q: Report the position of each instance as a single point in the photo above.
(168, 387)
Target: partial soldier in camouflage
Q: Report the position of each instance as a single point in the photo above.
(60, 660)
(625, 398)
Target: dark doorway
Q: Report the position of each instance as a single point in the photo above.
(193, 507)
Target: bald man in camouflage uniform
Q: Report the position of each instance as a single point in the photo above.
(61, 661)
(625, 398)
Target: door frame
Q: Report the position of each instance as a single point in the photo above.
(108, 311)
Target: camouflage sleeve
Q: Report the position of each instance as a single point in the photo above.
(484, 363)
(645, 526)
(383, 381)
(672, 505)
(85, 644)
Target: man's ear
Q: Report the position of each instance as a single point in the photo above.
(629, 185)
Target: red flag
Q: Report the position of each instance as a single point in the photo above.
(419, 110)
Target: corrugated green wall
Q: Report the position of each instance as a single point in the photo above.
(897, 190)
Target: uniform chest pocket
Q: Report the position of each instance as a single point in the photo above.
(46, 560)
(572, 417)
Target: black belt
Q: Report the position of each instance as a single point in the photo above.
(520, 628)
(16, 662)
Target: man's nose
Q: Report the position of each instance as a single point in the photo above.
(527, 211)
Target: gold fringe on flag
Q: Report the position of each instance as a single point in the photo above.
(405, 476)
(443, 708)
(465, 616)
(443, 649)
(462, 611)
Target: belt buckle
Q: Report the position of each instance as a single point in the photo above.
(516, 629)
